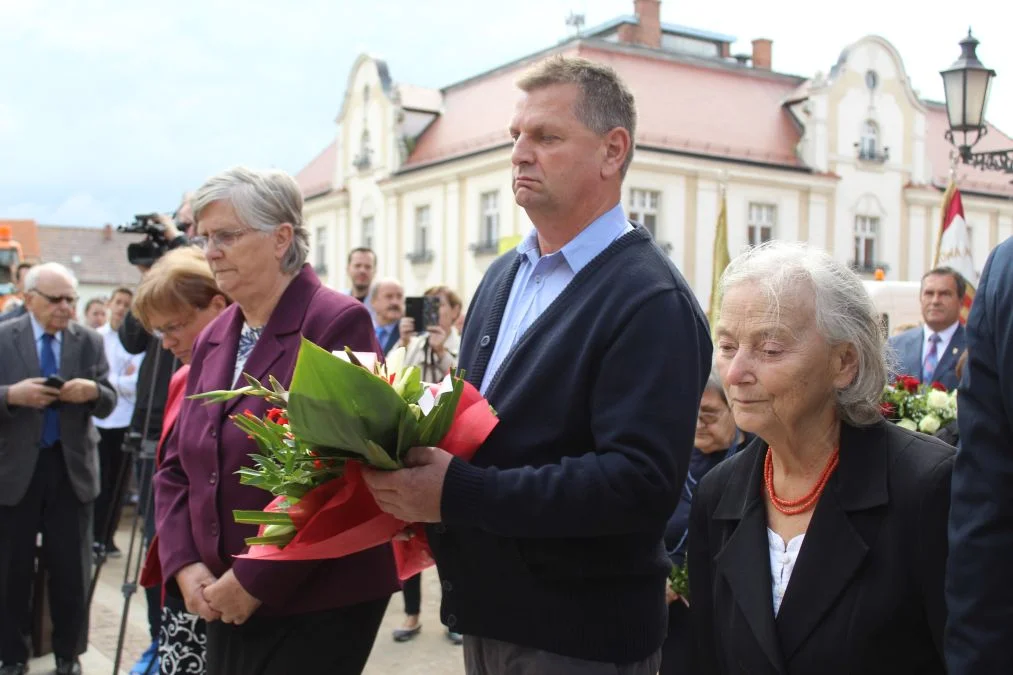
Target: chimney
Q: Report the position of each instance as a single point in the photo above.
(762, 49)
(107, 232)
(647, 32)
(649, 13)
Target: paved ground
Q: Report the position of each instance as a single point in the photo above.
(428, 654)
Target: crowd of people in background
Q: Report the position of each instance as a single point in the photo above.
(635, 434)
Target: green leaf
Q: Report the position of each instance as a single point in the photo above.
(221, 395)
(436, 424)
(261, 517)
(335, 404)
(379, 458)
(276, 540)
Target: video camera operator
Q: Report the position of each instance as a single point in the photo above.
(163, 235)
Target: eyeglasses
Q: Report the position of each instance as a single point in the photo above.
(172, 329)
(57, 299)
(708, 418)
(222, 240)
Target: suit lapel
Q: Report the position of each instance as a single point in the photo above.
(914, 353)
(220, 361)
(70, 351)
(947, 360)
(24, 338)
(286, 319)
(749, 578)
(842, 529)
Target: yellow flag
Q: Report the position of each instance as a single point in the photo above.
(508, 242)
(721, 260)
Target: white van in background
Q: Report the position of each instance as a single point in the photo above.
(898, 303)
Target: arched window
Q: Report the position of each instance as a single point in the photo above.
(868, 146)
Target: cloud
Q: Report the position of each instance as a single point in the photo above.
(78, 209)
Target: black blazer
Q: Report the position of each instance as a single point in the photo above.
(866, 594)
(979, 595)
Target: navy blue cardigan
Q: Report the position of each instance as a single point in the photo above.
(552, 536)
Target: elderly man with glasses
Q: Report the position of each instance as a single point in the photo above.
(53, 380)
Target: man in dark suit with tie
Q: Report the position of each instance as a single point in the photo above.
(48, 463)
(979, 596)
(930, 352)
(387, 300)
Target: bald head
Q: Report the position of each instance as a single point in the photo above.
(387, 300)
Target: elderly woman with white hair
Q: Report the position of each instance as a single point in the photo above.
(263, 617)
(820, 547)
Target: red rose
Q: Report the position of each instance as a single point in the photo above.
(318, 464)
(938, 387)
(909, 383)
(889, 410)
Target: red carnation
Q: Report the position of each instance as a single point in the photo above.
(938, 387)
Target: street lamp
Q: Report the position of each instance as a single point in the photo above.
(966, 84)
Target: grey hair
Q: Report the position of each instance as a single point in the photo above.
(844, 313)
(380, 284)
(715, 384)
(32, 277)
(263, 200)
(605, 101)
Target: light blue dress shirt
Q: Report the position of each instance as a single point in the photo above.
(38, 331)
(541, 278)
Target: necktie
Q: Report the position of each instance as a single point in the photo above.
(931, 359)
(381, 335)
(51, 416)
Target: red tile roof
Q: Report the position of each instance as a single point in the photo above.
(689, 105)
(684, 104)
(317, 177)
(95, 255)
(24, 232)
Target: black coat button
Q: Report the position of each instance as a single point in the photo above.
(451, 620)
(485, 341)
(447, 586)
(440, 528)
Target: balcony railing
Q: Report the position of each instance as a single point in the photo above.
(872, 154)
(420, 257)
(863, 267)
(485, 248)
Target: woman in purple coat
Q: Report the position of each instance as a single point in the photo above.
(263, 617)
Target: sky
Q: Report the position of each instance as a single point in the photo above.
(110, 108)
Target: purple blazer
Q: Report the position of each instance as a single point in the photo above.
(196, 486)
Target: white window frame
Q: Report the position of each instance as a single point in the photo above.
(645, 208)
(422, 221)
(488, 226)
(368, 231)
(321, 262)
(866, 231)
(761, 223)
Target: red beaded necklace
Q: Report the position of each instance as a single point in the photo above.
(805, 502)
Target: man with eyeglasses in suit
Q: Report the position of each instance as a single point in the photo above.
(49, 474)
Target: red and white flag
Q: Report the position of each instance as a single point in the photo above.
(954, 244)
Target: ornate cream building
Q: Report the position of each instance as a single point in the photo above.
(851, 160)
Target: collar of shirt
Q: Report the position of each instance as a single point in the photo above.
(38, 330)
(583, 248)
(945, 336)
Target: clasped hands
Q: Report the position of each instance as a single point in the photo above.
(33, 393)
(215, 599)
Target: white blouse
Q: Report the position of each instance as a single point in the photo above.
(782, 562)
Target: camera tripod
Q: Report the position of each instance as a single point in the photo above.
(141, 460)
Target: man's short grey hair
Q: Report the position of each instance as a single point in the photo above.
(605, 101)
(32, 277)
(843, 308)
(262, 200)
(381, 283)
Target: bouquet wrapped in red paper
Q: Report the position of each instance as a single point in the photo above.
(341, 410)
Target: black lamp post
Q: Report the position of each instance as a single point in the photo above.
(966, 84)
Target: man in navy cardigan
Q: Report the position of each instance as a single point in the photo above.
(979, 597)
(593, 351)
